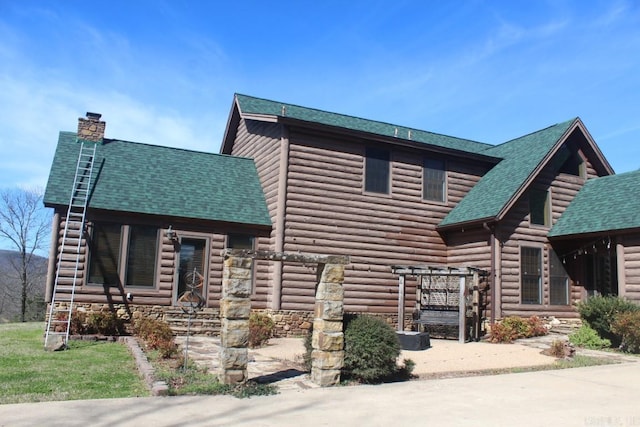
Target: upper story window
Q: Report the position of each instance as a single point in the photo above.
(434, 180)
(570, 161)
(539, 207)
(377, 171)
(123, 254)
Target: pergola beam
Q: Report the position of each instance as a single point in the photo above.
(289, 257)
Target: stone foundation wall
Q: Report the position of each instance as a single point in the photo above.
(288, 323)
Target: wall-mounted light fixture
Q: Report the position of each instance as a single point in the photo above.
(170, 233)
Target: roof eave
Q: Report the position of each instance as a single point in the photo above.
(398, 141)
(467, 224)
(230, 130)
(601, 158)
(592, 234)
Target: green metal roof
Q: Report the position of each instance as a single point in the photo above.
(607, 203)
(258, 106)
(496, 188)
(150, 179)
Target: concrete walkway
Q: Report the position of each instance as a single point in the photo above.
(594, 396)
(280, 362)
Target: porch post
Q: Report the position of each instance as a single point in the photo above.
(462, 310)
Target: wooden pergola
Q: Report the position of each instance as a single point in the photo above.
(436, 301)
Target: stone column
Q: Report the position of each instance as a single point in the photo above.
(327, 357)
(235, 308)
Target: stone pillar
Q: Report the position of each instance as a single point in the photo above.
(235, 308)
(327, 357)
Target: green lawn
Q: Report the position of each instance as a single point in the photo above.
(87, 370)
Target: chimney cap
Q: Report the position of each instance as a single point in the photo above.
(93, 116)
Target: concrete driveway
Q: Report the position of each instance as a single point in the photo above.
(595, 396)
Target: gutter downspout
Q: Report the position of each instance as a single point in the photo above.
(492, 274)
(281, 207)
(53, 253)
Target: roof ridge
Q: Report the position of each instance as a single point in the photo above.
(534, 132)
(363, 119)
(155, 146)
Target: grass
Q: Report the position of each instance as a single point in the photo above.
(197, 380)
(88, 370)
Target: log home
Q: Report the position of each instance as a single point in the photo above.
(543, 214)
(390, 195)
(155, 216)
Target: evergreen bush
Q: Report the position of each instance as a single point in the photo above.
(599, 313)
(371, 349)
(587, 337)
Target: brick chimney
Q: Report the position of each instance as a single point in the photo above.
(91, 128)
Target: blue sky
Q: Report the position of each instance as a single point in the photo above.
(164, 72)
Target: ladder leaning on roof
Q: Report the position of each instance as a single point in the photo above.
(70, 251)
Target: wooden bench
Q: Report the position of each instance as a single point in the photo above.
(438, 317)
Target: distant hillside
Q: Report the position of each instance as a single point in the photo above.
(11, 291)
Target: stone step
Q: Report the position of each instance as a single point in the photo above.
(195, 330)
(193, 320)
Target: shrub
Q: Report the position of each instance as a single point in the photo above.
(260, 329)
(587, 337)
(77, 325)
(513, 328)
(371, 349)
(627, 327)
(157, 335)
(599, 312)
(104, 323)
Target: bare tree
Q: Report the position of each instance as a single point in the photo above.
(25, 224)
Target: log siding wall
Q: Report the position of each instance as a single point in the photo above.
(261, 142)
(328, 212)
(163, 291)
(516, 231)
(631, 245)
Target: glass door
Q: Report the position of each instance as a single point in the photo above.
(192, 270)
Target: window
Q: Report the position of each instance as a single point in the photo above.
(240, 241)
(539, 207)
(243, 241)
(141, 256)
(572, 161)
(558, 281)
(376, 171)
(105, 254)
(138, 244)
(531, 274)
(434, 179)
